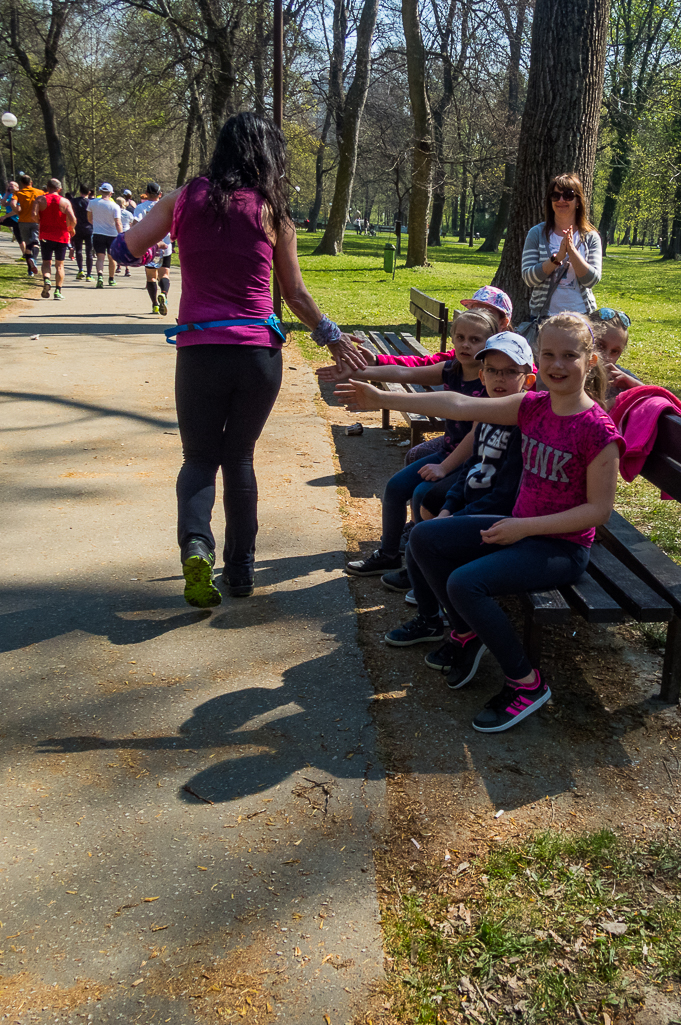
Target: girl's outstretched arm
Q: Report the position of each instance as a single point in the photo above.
(429, 375)
(358, 395)
(601, 481)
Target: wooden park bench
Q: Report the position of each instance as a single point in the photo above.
(434, 315)
(627, 574)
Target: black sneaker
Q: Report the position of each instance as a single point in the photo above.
(197, 568)
(416, 631)
(445, 657)
(512, 704)
(410, 598)
(398, 580)
(466, 662)
(405, 536)
(242, 588)
(375, 565)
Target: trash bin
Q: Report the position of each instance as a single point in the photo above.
(389, 257)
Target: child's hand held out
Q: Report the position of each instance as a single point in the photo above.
(358, 395)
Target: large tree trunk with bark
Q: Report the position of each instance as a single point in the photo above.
(422, 162)
(331, 242)
(560, 121)
(515, 39)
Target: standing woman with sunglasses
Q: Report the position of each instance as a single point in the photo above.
(562, 255)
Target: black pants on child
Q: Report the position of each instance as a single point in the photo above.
(224, 395)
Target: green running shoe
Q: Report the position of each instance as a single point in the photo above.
(100, 281)
(197, 568)
(57, 294)
(162, 307)
(80, 275)
(112, 281)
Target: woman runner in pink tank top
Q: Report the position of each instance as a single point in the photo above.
(231, 226)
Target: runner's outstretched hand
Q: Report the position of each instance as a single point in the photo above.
(343, 351)
(358, 395)
(334, 374)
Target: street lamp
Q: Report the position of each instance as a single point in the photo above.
(10, 122)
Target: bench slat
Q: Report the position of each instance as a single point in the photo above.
(435, 307)
(547, 607)
(593, 603)
(628, 590)
(416, 347)
(433, 323)
(644, 558)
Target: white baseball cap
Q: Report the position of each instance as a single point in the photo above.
(511, 344)
(105, 187)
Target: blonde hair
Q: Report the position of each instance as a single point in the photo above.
(121, 201)
(580, 327)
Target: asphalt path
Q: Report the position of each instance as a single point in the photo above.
(191, 798)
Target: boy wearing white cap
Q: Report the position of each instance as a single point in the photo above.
(104, 216)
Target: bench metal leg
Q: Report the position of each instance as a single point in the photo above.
(533, 639)
(416, 435)
(385, 419)
(671, 669)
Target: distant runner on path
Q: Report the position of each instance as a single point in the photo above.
(104, 216)
(83, 234)
(57, 224)
(22, 204)
(160, 267)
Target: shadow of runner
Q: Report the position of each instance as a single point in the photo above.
(264, 733)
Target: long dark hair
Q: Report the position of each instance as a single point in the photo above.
(568, 181)
(250, 154)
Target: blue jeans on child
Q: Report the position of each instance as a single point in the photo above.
(404, 485)
(449, 566)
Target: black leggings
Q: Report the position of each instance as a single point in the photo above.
(224, 395)
(77, 241)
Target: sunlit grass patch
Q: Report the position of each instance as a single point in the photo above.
(541, 927)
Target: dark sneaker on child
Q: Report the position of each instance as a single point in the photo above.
(512, 704)
(416, 631)
(405, 536)
(445, 657)
(197, 568)
(410, 598)
(398, 580)
(465, 662)
(375, 565)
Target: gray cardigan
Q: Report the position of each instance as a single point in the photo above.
(536, 251)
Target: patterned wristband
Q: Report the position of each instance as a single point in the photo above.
(326, 332)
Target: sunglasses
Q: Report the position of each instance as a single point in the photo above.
(605, 313)
(567, 194)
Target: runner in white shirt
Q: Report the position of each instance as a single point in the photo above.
(104, 216)
(160, 268)
(127, 216)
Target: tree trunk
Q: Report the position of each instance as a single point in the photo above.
(463, 203)
(183, 165)
(422, 160)
(515, 39)
(331, 242)
(618, 172)
(259, 59)
(560, 121)
(319, 172)
(472, 227)
(40, 73)
(52, 137)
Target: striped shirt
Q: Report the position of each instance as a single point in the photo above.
(537, 251)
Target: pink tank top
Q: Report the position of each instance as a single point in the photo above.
(53, 224)
(226, 264)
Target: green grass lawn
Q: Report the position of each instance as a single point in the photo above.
(354, 290)
(13, 279)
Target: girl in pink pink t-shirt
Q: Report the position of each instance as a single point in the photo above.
(571, 452)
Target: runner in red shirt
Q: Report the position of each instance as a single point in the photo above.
(57, 225)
